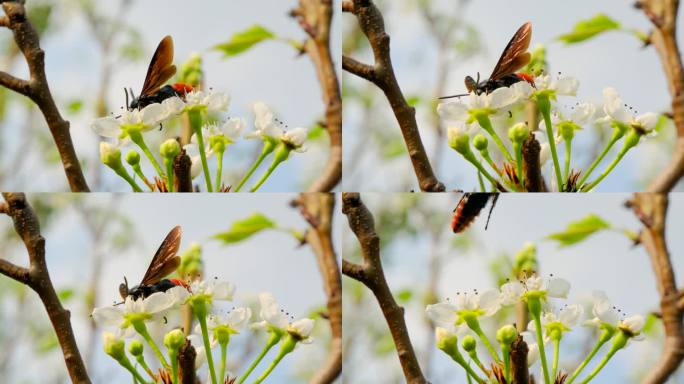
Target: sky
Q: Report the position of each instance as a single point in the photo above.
(268, 262)
(606, 261)
(614, 59)
(271, 72)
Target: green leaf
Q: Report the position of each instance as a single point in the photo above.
(578, 231)
(316, 132)
(244, 40)
(586, 29)
(243, 229)
(75, 106)
(413, 100)
(65, 294)
(404, 296)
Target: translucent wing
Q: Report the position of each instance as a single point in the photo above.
(165, 260)
(515, 55)
(161, 67)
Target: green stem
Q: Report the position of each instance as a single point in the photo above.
(137, 138)
(476, 359)
(458, 358)
(127, 364)
(631, 140)
(286, 347)
(470, 157)
(140, 327)
(121, 171)
(195, 118)
(544, 106)
(486, 124)
(207, 345)
(474, 325)
(605, 336)
(276, 161)
(269, 146)
(481, 181)
(222, 370)
(617, 135)
(568, 151)
(556, 353)
(141, 360)
(619, 342)
(138, 171)
(517, 148)
(174, 366)
(272, 340)
(540, 344)
(488, 159)
(506, 352)
(219, 169)
(169, 174)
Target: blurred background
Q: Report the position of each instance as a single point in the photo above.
(94, 240)
(436, 43)
(95, 48)
(424, 263)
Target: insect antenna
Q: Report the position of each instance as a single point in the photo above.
(132, 94)
(452, 96)
(126, 92)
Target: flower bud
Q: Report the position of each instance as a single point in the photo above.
(133, 157)
(526, 258)
(518, 133)
(506, 335)
(191, 261)
(169, 149)
(113, 346)
(222, 334)
(458, 140)
(174, 340)
(469, 343)
(135, 347)
(110, 155)
(480, 142)
(446, 341)
(567, 130)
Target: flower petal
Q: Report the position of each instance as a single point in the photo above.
(442, 314)
(453, 111)
(106, 126)
(558, 287)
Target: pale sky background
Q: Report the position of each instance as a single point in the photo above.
(613, 59)
(271, 72)
(270, 261)
(606, 261)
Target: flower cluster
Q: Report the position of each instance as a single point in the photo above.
(148, 320)
(459, 318)
(210, 137)
(505, 108)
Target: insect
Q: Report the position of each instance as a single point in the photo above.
(164, 262)
(469, 207)
(160, 70)
(513, 57)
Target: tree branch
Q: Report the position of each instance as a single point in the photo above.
(37, 89)
(370, 273)
(181, 169)
(37, 277)
(317, 209)
(663, 15)
(534, 181)
(186, 363)
(519, 368)
(315, 17)
(382, 75)
(652, 210)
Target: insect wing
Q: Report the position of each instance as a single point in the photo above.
(161, 67)
(165, 260)
(515, 55)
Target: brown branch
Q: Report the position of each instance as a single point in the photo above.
(37, 89)
(317, 209)
(519, 368)
(315, 17)
(370, 273)
(37, 277)
(651, 209)
(663, 15)
(186, 363)
(534, 181)
(181, 169)
(382, 75)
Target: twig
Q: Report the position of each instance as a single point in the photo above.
(37, 277)
(182, 165)
(521, 373)
(663, 15)
(37, 89)
(315, 18)
(370, 273)
(186, 363)
(534, 181)
(652, 210)
(381, 73)
(317, 209)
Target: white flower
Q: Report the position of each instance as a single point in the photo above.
(295, 139)
(603, 310)
(150, 309)
(633, 326)
(301, 330)
(230, 129)
(564, 86)
(192, 150)
(615, 110)
(236, 319)
(173, 106)
(448, 315)
(214, 290)
(264, 123)
(270, 313)
(558, 322)
(210, 102)
(514, 291)
(143, 120)
(497, 99)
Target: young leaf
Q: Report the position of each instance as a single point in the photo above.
(244, 40)
(578, 231)
(586, 29)
(243, 229)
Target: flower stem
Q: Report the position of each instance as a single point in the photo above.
(556, 353)
(138, 171)
(458, 358)
(169, 174)
(195, 119)
(486, 124)
(631, 140)
(506, 352)
(568, 151)
(219, 169)
(121, 171)
(174, 366)
(272, 340)
(534, 306)
(269, 146)
(617, 135)
(286, 347)
(544, 106)
(207, 346)
(127, 364)
(137, 138)
(470, 157)
(605, 336)
(474, 324)
(517, 148)
(481, 181)
(619, 342)
(488, 159)
(281, 155)
(141, 360)
(222, 370)
(142, 330)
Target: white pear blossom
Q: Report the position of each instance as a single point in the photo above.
(230, 129)
(455, 111)
(213, 290)
(301, 330)
(633, 326)
(603, 310)
(143, 120)
(515, 291)
(150, 309)
(560, 86)
(567, 317)
(264, 123)
(210, 102)
(449, 315)
(192, 150)
(295, 139)
(615, 109)
(236, 320)
(273, 317)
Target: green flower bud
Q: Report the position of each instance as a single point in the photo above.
(526, 258)
(135, 347)
(506, 335)
(518, 133)
(191, 71)
(169, 149)
(110, 155)
(459, 141)
(174, 340)
(191, 261)
(446, 341)
(113, 346)
(222, 334)
(480, 142)
(567, 129)
(133, 157)
(469, 343)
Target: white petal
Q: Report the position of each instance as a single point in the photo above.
(570, 315)
(502, 97)
(544, 153)
(108, 316)
(511, 292)
(302, 327)
(106, 126)
(442, 314)
(217, 102)
(295, 137)
(239, 317)
(224, 290)
(634, 323)
(270, 311)
(567, 86)
(558, 287)
(158, 302)
(233, 128)
(153, 114)
(582, 113)
(173, 105)
(453, 111)
(490, 302)
(647, 121)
